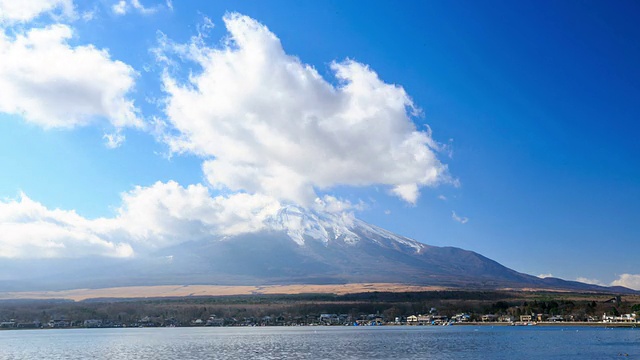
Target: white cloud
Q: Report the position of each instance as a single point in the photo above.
(113, 140)
(267, 123)
(12, 11)
(166, 214)
(442, 197)
(52, 84)
(153, 217)
(331, 204)
(142, 9)
(460, 219)
(544, 276)
(29, 230)
(590, 281)
(122, 7)
(88, 15)
(632, 281)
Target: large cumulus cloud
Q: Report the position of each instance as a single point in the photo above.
(49, 82)
(265, 122)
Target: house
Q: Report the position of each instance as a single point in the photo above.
(506, 318)
(266, 320)
(59, 323)
(439, 320)
(622, 318)
(329, 319)
(488, 318)
(215, 321)
(425, 319)
(542, 317)
(92, 323)
(7, 324)
(614, 300)
(412, 320)
(526, 318)
(462, 317)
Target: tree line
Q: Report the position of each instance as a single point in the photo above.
(306, 308)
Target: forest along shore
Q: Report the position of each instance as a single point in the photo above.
(365, 308)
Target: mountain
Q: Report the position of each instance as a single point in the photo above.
(297, 246)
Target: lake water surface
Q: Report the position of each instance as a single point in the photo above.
(390, 342)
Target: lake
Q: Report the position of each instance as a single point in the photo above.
(390, 342)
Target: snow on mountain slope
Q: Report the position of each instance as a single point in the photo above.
(302, 225)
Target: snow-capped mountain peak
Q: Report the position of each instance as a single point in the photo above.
(303, 225)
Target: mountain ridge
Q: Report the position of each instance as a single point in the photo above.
(297, 246)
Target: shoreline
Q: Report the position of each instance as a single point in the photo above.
(484, 324)
(554, 324)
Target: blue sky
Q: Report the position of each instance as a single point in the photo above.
(534, 105)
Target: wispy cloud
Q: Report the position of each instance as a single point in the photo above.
(544, 276)
(144, 10)
(89, 15)
(122, 7)
(331, 204)
(113, 140)
(460, 219)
